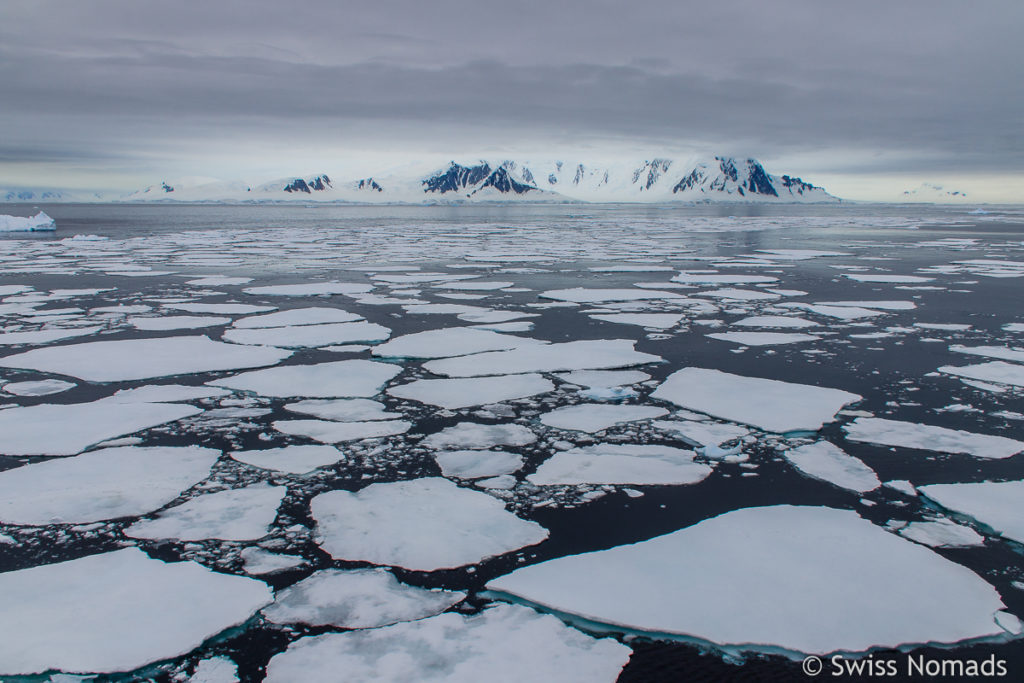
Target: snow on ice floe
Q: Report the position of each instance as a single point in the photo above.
(474, 391)
(995, 371)
(595, 354)
(342, 409)
(326, 431)
(763, 338)
(131, 359)
(476, 464)
(827, 462)
(776, 321)
(290, 459)
(96, 613)
(595, 417)
(337, 379)
(942, 533)
(996, 504)
(700, 582)
(422, 524)
(770, 404)
(621, 464)
(658, 321)
(582, 295)
(356, 598)
(930, 438)
(501, 643)
(314, 315)
(45, 336)
(310, 289)
(305, 336)
(101, 485)
(452, 341)
(232, 515)
(30, 430)
(477, 435)
(177, 322)
(42, 387)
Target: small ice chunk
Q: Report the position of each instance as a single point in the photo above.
(476, 435)
(232, 515)
(326, 431)
(451, 341)
(996, 504)
(423, 525)
(314, 315)
(591, 354)
(257, 561)
(344, 378)
(42, 387)
(474, 391)
(342, 409)
(942, 533)
(621, 464)
(828, 462)
(594, 417)
(903, 486)
(356, 598)
(291, 459)
(215, 669)
(930, 438)
(475, 464)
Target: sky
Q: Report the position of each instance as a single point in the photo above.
(867, 98)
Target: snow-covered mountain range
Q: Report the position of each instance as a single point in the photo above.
(717, 179)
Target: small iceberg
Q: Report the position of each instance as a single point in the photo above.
(31, 224)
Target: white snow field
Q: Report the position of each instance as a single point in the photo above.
(595, 417)
(39, 222)
(595, 354)
(343, 378)
(996, 504)
(326, 431)
(787, 560)
(422, 524)
(131, 359)
(314, 315)
(478, 435)
(231, 515)
(827, 462)
(474, 391)
(356, 598)
(95, 614)
(451, 341)
(308, 336)
(765, 403)
(290, 459)
(476, 464)
(30, 430)
(930, 438)
(620, 464)
(100, 485)
(342, 409)
(501, 643)
(994, 371)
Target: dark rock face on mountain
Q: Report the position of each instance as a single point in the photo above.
(648, 174)
(503, 182)
(317, 184)
(369, 184)
(456, 178)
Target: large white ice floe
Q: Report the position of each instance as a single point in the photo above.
(31, 430)
(307, 336)
(621, 464)
(770, 404)
(763, 338)
(291, 459)
(501, 643)
(594, 417)
(422, 524)
(343, 378)
(100, 485)
(314, 315)
(342, 409)
(327, 431)
(39, 222)
(310, 289)
(701, 581)
(232, 515)
(930, 438)
(994, 371)
(131, 359)
(826, 461)
(478, 435)
(356, 598)
(476, 464)
(452, 341)
(96, 613)
(472, 391)
(593, 354)
(996, 504)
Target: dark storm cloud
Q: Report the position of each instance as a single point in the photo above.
(939, 82)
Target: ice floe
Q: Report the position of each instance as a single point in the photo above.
(95, 613)
(473, 391)
(130, 359)
(45, 336)
(451, 341)
(501, 643)
(314, 315)
(763, 338)
(597, 417)
(291, 459)
(603, 379)
(658, 321)
(1000, 352)
(997, 371)
(422, 524)
(101, 485)
(596, 354)
(621, 464)
(342, 409)
(476, 464)
(326, 431)
(766, 403)
(222, 309)
(930, 438)
(304, 336)
(942, 533)
(702, 433)
(258, 561)
(777, 321)
(477, 435)
(177, 322)
(337, 379)
(827, 462)
(310, 289)
(996, 504)
(581, 295)
(701, 581)
(896, 279)
(243, 514)
(356, 598)
(42, 387)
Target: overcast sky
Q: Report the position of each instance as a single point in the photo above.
(868, 98)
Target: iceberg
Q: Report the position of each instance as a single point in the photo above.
(39, 222)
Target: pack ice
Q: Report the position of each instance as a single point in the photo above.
(422, 524)
(96, 614)
(501, 643)
(700, 582)
(770, 404)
